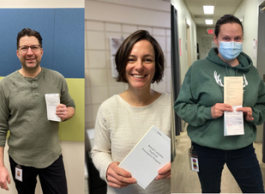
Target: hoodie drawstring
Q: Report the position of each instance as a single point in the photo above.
(227, 72)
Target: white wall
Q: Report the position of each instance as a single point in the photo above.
(41, 4)
(136, 12)
(73, 152)
(248, 10)
(183, 16)
(201, 33)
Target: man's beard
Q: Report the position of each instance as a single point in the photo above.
(31, 69)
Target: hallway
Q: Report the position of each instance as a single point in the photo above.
(183, 180)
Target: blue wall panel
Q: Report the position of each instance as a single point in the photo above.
(13, 21)
(69, 44)
(62, 31)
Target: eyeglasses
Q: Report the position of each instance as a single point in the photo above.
(34, 48)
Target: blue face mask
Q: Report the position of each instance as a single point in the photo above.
(230, 50)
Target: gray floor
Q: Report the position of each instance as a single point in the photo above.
(183, 180)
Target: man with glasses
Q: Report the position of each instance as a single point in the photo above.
(34, 148)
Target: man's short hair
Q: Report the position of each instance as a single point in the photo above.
(121, 58)
(29, 32)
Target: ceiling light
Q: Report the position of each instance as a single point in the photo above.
(208, 9)
(209, 22)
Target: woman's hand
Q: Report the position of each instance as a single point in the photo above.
(118, 177)
(218, 109)
(247, 112)
(164, 172)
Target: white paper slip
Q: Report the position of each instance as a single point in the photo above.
(233, 95)
(52, 101)
(233, 91)
(148, 156)
(233, 122)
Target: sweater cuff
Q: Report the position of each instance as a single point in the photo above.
(254, 121)
(103, 173)
(207, 113)
(2, 141)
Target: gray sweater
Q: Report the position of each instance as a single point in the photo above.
(33, 140)
(119, 126)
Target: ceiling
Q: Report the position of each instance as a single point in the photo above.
(221, 7)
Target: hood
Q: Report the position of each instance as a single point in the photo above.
(244, 60)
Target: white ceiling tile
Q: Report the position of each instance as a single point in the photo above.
(222, 7)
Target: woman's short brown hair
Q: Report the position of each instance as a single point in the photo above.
(125, 49)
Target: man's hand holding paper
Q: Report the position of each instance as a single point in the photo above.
(61, 111)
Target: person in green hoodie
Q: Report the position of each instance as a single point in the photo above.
(201, 104)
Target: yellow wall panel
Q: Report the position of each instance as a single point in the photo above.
(73, 130)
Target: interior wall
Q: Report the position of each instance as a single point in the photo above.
(185, 18)
(201, 33)
(73, 151)
(147, 12)
(118, 18)
(261, 43)
(248, 11)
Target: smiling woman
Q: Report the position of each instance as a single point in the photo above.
(140, 62)
(123, 119)
(155, 51)
(140, 69)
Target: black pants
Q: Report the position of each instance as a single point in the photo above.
(242, 163)
(52, 178)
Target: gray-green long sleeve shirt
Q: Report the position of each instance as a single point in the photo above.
(33, 139)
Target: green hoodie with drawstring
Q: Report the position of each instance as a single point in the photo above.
(203, 88)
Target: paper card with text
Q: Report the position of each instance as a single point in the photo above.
(233, 95)
(233, 122)
(149, 155)
(52, 101)
(233, 91)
